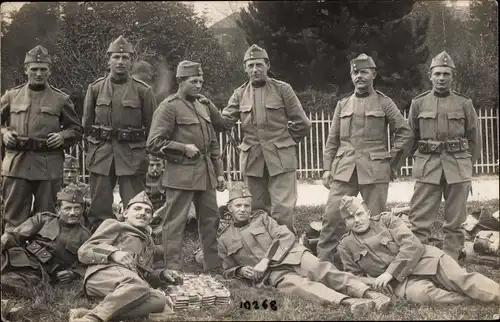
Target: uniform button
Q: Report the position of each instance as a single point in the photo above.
(93, 260)
(103, 260)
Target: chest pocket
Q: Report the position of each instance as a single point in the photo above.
(234, 247)
(49, 231)
(359, 256)
(345, 123)
(427, 124)
(262, 237)
(456, 124)
(387, 241)
(103, 110)
(186, 121)
(133, 113)
(19, 107)
(375, 127)
(18, 116)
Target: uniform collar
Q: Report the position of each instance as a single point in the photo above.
(37, 88)
(240, 224)
(365, 94)
(441, 94)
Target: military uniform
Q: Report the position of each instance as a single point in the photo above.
(421, 273)
(116, 117)
(125, 293)
(268, 150)
(357, 156)
(32, 170)
(41, 247)
(176, 123)
(292, 267)
(447, 144)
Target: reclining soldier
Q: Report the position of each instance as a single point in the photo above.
(385, 253)
(256, 248)
(120, 257)
(45, 246)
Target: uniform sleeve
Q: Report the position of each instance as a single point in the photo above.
(472, 132)
(414, 125)
(333, 141)
(72, 128)
(229, 265)
(283, 239)
(98, 248)
(88, 110)
(301, 124)
(162, 127)
(148, 107)
(25, 231)
(403, 136)
(410, 248)
(229, 116)
(348, 261)
(215, 152)
(4, 113)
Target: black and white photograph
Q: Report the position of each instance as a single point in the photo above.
(249, 161)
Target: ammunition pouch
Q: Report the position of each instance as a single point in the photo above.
(457, 145)
(40, 252)
(106, 133)
(451, 146)
(429, 146)
(32, 144)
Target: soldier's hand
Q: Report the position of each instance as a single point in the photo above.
(261, 268)
(125, 259)
(327, 179)
(10, 138)
(203, 99)
(247, 272)
(381, 283)
(221, 183)
(65, 276)
(54, 140)
(191, 150)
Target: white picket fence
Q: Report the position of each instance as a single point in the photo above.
(310, 150)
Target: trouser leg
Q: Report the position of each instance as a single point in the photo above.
(375, 196)
(421, 290)
(208, 221)
(154, 303)
(455, 205)
(424, 206)
(129, 187)
(327, 274)
(475, 285)
(101, 192)
(333, 225)
(177, 203)
(17, 198)
(45, 192)
(283, 192)
(259, 188)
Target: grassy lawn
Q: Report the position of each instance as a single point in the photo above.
(49, 305)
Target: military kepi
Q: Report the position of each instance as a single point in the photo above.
(70, 162)
(442, 59)
(140, 197)
(239, 190)
(120, 45)
(349, 205)
(361, 62)
(188, 68)
(38, 54)
(71, 193)
(255, 52)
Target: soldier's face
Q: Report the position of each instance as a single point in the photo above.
(256, 69)
(441, 78)
(362, 79)
(38, 73)
(138, 215)
(155, 168)
(70, 176)
(240, 209)
(70, 212)
(192, 85)
(359, 222)
(120, 63)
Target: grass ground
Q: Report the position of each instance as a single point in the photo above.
(48, 305)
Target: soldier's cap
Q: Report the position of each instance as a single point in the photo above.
(120, 45)
(361, 62)
(238, 190)
(188, 68)
(38, 54)
(71, 193)
(349, 205)
(70, 162)
(442, 59)
(255, 52)
(140, 197)
(154, 158)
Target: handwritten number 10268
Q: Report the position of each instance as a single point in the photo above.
(255, 305)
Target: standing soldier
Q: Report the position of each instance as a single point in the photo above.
(273, 122)
(356, 157)
(447, 144)
(182, 133)
(37, 122)
(116, 117)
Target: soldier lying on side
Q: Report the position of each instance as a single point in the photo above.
(45, 246)
(255, 247)
(120, 257)
(384, 249)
